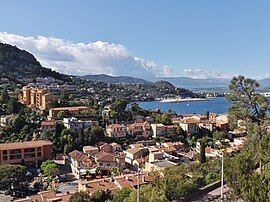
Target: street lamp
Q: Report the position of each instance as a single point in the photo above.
(138, 185)
(222, 173)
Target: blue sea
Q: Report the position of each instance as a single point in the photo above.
(217, 105)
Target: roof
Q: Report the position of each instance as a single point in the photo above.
(114, 144)
(116, 125)
(157, 124)
(89, 148)
(163, 164)
(134, 150)
(76, 108)
(103, 156)
(22, 145)
(79, 156)
(48, 123)
(189, 121)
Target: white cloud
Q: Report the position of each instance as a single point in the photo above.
(202, 74)
(85, 58)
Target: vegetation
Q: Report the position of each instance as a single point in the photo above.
(50, 168)
(11, 175)
(99, 196)
(248, 171)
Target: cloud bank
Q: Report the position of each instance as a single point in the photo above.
(86, 58)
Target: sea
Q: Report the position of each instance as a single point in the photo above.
(217, 105)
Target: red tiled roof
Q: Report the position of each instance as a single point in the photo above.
(103, 156)
(190, 120)
(116, 125)
(76, 108)
(48, 123)
(22, 145)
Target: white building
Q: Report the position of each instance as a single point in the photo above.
(158, 130)
(75, 124)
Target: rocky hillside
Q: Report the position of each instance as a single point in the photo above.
(17, 64)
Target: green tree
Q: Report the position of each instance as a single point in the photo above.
(94, 134)
(118, 108)
(50, 168)
(121, 194)
(4, 96)
(101, 196)
(11, 174)
(81, 196)
(245, 102)
(202, 151)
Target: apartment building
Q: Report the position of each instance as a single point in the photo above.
(39, 98)
(116, 130)
(158, 130)
(29, 152)
(72, 111)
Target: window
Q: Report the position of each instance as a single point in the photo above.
(5, 158)
(4, 152)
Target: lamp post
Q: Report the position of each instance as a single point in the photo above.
(138, 186)
(222, 173)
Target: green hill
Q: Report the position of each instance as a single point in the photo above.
(19, 64)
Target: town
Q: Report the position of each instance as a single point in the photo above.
(70, 150)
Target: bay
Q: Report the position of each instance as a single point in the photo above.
(218, 105)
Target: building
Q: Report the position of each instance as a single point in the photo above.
(114, 183)
(207, 125)
(80, 162)
(90, 150)
(158, 130)
(116, 130)
(107, 161)
(158, 165)
(47, 196)
(29, 152)
(170, 130)
(70, 110)
(190, 125)
(39, 98)
(141, 130)
(48, 125)
(132, 156)
(76, 125)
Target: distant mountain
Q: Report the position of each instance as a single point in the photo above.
(17, 64)
(265, 83)
(190, 83)
(114, 79)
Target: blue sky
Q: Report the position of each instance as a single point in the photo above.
(173, 38)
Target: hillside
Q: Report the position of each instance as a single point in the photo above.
(114, 79)
(17, 64)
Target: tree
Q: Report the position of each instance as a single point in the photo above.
(81, 196)
(11, 174)
(202, 152)
(121, 194)
(219, 135)
(50, 168)
(4, 96)
(118, 108)
(94, 134)
(101, 196)
(245, 102)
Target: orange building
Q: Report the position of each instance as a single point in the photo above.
(28, 152)
(70, 110)
(39, 98)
